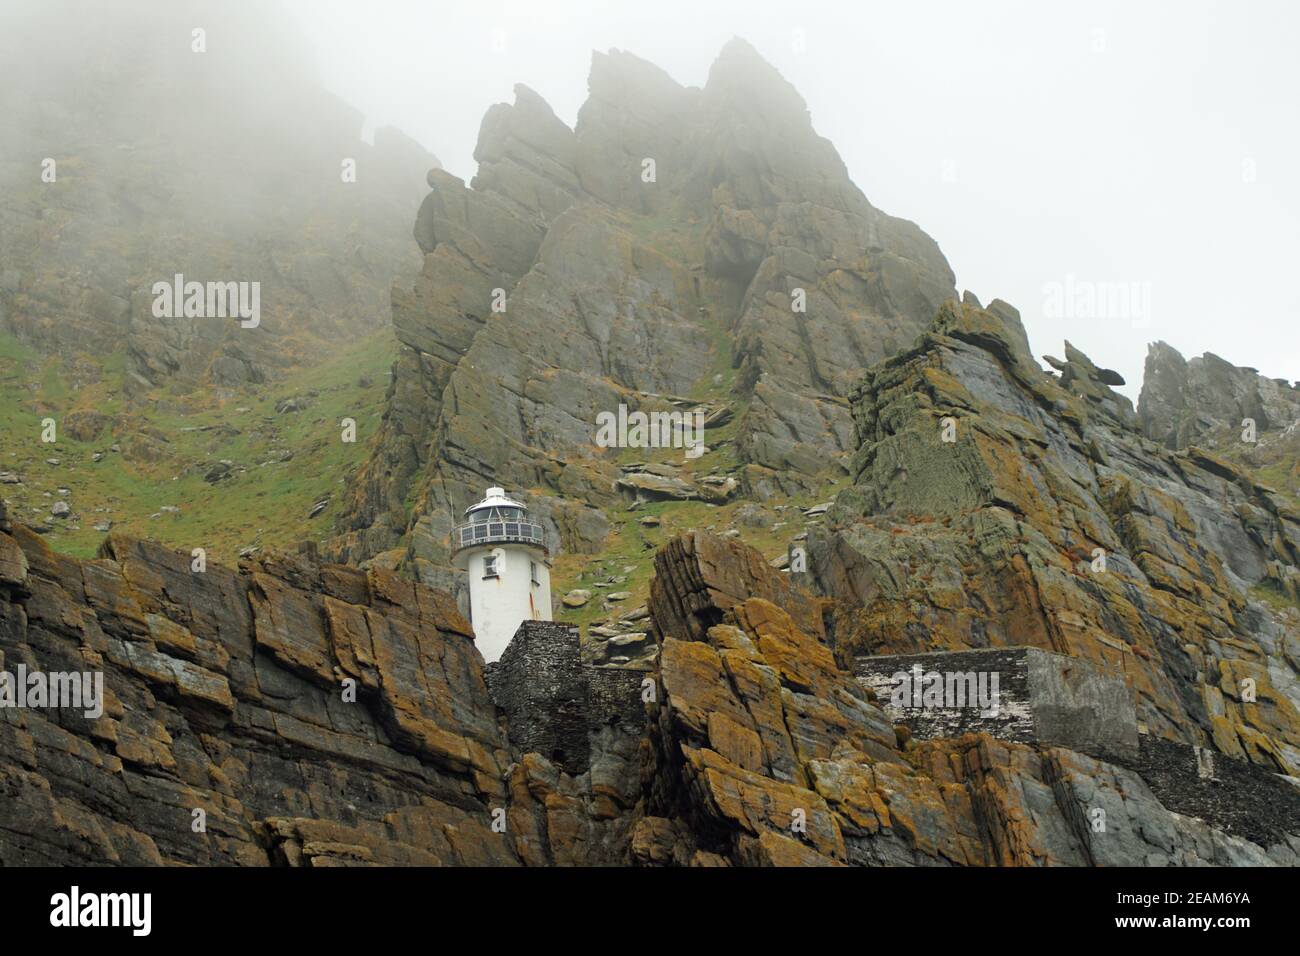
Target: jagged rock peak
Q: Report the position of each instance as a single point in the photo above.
(528, 98)
(620, 76)
(1183, 401)
(742, 80)
(529, 119)
(723, 207)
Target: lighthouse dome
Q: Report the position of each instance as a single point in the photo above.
(495, 520)
(496, 498)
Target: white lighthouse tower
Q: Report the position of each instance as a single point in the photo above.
(505, 554)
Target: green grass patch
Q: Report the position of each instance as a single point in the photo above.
(168, 447)
(1273, 597)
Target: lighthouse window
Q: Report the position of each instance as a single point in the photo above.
(532, 567)
(490, 566)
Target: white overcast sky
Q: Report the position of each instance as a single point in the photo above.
(1146, 142)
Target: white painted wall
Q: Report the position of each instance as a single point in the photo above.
(498, 605)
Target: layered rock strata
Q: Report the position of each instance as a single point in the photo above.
(764, 751)
(995, 505)
(227, 692)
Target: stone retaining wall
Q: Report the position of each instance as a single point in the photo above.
(553, 702)
(1041, 697)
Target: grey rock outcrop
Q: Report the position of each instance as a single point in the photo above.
(1048, 520)
(1184, 401)
(658, 249)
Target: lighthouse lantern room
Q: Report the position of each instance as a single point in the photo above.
(505, 555)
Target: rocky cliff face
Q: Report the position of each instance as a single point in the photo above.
(1192, 401)
(227, 693)
(224, 165)
(1231, 411)
(678, 248)
(1047, 519)
(224, 692)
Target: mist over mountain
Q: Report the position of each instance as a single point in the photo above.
(220, 165)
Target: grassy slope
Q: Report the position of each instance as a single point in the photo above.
(265, 502)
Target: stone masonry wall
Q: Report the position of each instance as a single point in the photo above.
(614, 697)
(1054, 700)
(553, 702)
(1041, 698)
(538, 684)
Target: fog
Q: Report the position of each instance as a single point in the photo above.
(1152, 144)
(166, 162)
(1146, 148)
